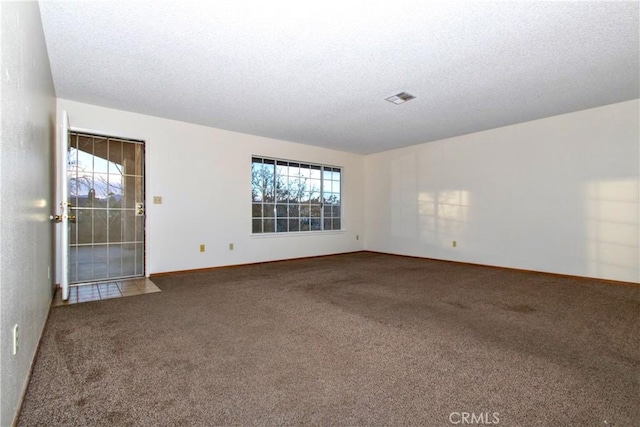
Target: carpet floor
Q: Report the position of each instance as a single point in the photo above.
(359, 339)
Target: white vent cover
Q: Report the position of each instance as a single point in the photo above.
(400, 98)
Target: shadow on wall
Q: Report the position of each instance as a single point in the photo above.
(613, 229)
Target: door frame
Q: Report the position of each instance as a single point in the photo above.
(61, 159)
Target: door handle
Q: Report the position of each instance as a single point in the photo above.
(58, 218)
(139, 209)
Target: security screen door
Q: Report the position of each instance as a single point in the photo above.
(106, 199)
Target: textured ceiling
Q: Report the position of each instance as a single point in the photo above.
(318, 73)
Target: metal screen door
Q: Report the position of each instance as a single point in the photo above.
(106, 208)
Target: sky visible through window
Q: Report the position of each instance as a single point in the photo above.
(290, 196)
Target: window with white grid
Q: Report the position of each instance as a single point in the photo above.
(289, 196)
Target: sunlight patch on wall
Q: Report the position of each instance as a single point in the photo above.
(613, 229)
(444, 215)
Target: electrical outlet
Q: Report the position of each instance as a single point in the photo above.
(230, 246)
(15, 339)
(201, 248)
(454, 244)
(157, 200)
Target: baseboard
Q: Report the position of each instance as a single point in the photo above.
(205, 269)
(202, 270)
(572, 276)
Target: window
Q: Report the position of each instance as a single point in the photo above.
(290, 196)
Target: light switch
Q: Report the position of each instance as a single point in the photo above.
(157, 200)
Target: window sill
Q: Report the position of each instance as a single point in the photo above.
(297, 234)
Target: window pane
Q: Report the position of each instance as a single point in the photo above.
(335, 186)
(315, 211)
(336, 211)
(139, 159)
(314, 185)
(100, 150)
(282, 192)
(282, 168)
(268, 210)
(269, 226)
(100, 228)
(282, 225)
(294, 211)
(256, 226)
(268, 185)
(294, 224)
(315, 190)
(129, 233)
(117, 157)
(281, 211)
(256, 210)
(336, 224)
(269, 194)
(327, 211)
(257, 182)
(305, 210)
(115, 225)
(114, 192)
(327, 224)
(315, 224)
(294, 190)
(83, 225)
(139, 221)
(304, 224)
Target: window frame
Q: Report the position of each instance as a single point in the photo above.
(290, 197)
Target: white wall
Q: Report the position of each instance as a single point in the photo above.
(204, 177)
(28, 114)
(557, 195)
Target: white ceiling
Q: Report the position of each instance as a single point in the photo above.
(318, 72)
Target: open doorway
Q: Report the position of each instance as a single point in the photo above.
(105, 178)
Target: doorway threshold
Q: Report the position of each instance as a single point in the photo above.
(101, 291)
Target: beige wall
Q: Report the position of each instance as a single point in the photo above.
(204, 177)
(558, 195)
(28, 115)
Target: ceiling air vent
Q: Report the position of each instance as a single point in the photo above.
(400, 98)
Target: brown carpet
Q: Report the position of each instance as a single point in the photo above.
(357, 339)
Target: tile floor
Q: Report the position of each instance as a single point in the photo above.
(99, 291)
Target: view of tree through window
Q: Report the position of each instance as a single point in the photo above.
(291, 196)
